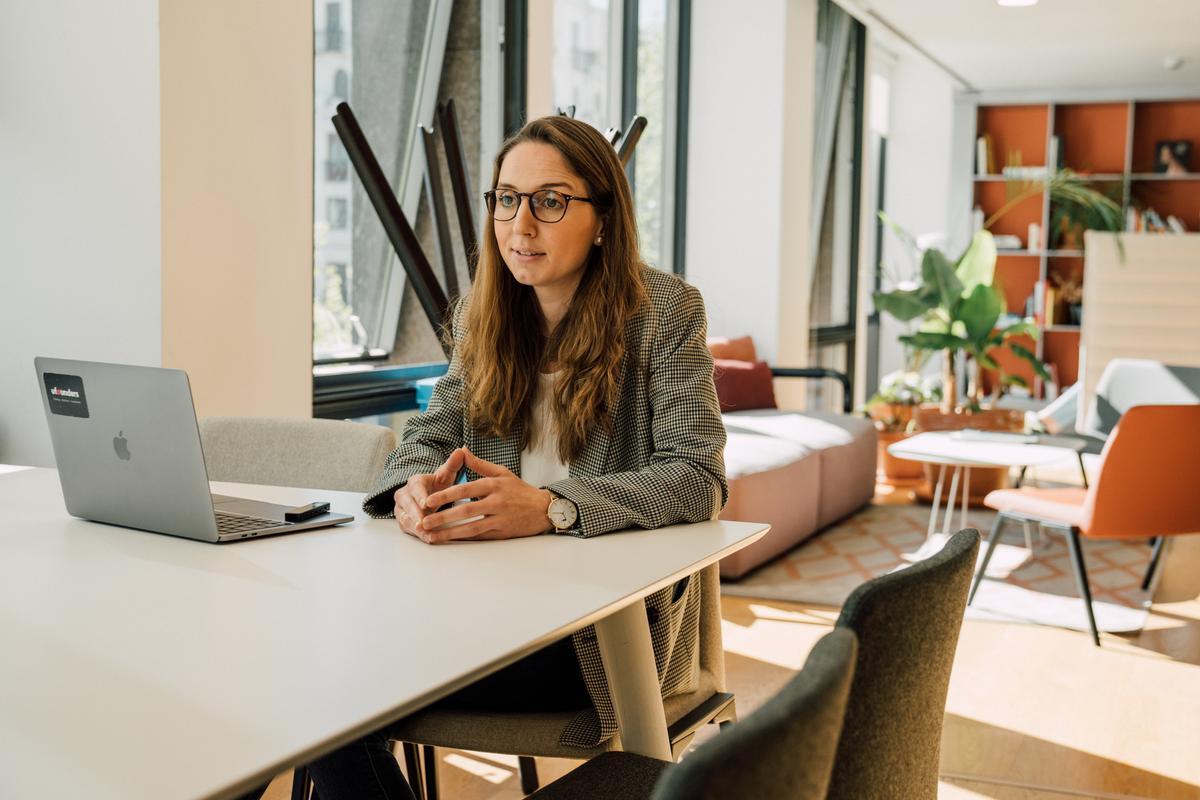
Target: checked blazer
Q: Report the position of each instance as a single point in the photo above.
(662, 463)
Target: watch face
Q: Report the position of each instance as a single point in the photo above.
(562, 513)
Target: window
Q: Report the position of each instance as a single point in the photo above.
(384, 58)
(610, 60)
(837, 169)
(337, 213)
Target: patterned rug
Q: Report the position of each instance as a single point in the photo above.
(1033, 585)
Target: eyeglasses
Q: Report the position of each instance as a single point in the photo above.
(547, 205)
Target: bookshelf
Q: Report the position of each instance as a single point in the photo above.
(1112, 144)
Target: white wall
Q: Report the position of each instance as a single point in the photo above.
(749, 170)
(79, 198)
(919, 188)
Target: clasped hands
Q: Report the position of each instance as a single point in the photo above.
(509, 507)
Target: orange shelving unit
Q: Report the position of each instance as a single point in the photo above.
(1111, 143)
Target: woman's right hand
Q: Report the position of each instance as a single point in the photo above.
(410, 498)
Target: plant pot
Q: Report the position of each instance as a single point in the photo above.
(897, 471)
(929, 417)
(891, 416)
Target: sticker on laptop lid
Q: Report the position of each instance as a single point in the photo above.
(66, 395)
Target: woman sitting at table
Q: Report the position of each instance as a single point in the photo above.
(579, 400)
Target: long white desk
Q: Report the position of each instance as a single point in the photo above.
(134, 665)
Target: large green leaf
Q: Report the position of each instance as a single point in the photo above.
(904, 305)
(978, 264)
(934, 341)
(937, 272)
(979, 311)
(1038, 366)
(901, 234)
(1021, 328)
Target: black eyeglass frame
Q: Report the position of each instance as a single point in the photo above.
(489, 200)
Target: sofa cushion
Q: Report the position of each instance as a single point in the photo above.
(845, 446)
(740, 349)
(772, 480)
(743, 385)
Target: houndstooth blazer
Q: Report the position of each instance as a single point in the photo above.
(662, 463)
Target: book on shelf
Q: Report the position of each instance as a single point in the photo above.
(1051, 303)
(985, 163)
(1018, 173)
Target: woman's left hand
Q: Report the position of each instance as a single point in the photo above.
(510, 507)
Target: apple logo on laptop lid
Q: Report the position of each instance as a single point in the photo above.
(121, 445)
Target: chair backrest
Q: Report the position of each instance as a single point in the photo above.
(907, 623)
(1146, 484)
(306, 453)
(1129, 382)
(785, 748)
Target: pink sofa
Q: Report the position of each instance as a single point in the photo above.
(798, 471)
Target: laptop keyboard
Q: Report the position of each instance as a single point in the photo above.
(236, 523)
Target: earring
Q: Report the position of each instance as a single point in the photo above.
(597, 240)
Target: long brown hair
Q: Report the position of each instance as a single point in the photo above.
(504, 349)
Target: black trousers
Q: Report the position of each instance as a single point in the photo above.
(548, 680)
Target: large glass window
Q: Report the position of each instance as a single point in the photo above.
(609, 60)
(837, 171)
(580, 65)
(374, 54)
(652, 176)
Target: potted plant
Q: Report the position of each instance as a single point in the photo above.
(892, 408)
(956, 309)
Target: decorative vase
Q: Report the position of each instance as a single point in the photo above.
(1075, 310)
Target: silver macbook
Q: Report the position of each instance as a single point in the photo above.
(128, 453)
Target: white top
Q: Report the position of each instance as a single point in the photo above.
(940, 447)
(540, 465)
(223, 665)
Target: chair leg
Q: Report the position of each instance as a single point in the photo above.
(412, 768)
(529, 777)
(1155, 555)
(1081, 579)
(993, 539)
(429, 758)
(300, 783)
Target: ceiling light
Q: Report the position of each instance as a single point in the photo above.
(1172, 62)
(1017, 3)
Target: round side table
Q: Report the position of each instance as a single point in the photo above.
(950, 449)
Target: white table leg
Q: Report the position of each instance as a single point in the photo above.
(950, 501)
(625, 649)
(937, 501)
(966, 495)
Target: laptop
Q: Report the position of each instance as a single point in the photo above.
(128, 452)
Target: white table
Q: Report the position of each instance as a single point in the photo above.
(135, 665)
(943, 449)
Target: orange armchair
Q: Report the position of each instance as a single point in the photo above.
(1145, 489)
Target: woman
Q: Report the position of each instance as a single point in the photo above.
(579, 400)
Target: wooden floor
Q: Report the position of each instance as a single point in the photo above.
(1033, 713)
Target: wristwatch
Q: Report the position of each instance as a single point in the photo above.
(562, 512)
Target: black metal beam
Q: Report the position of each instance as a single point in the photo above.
(637, 127)
(683, 86)
(395, 224)
(437, 202)
(460, 183)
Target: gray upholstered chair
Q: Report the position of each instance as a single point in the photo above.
(783, 750)
(537, 734)
(907, 624)
(305, 453)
